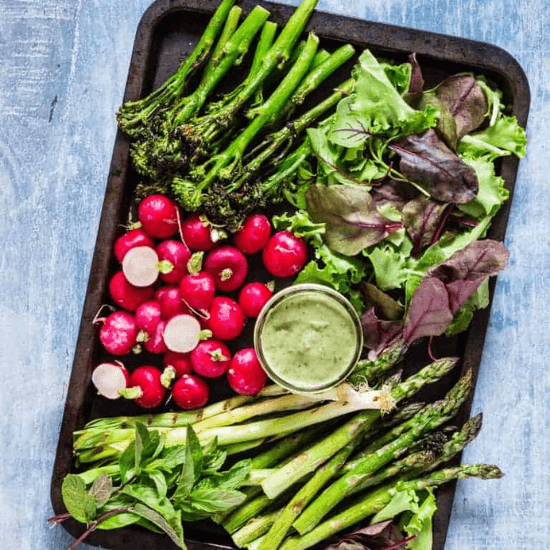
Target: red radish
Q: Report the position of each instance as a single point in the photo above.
(182, 333)
(210, 358)
(158, 215)
(169, 298)
(198, 290)
(229, 267)
(118, 333)
(254, 234)
(177, 255)
(148, 316)
(155, 342)
(145, 387)
(141, 266)
(110, 378)
(246, 375)
(197, 233)
(180, 362)
(131, 239)
(127, 295)
(285, 254)
(190, 392)
(226, 318)
(253, 298)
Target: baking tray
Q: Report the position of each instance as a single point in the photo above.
(167, 33)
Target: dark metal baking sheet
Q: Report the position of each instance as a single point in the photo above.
(167, 32)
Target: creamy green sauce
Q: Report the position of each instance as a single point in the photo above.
(308, 340)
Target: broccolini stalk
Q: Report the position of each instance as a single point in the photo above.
(133, 116)
(229, 55)
(312, 458)
(375, 501)
(225, 164)
(277, 56)
(431, 417)
(162, 151)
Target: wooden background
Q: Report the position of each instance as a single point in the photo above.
(63, 68)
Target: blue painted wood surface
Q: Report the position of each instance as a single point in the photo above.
(63, 68)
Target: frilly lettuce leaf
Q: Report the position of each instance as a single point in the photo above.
(417, 509)
(376, 107)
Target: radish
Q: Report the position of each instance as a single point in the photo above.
(285, 254)
(246, 375)
(158, 215)
(145, 387)
(229, 267)
(254, 234)
(110, 378)
(155, 342)
(198, 291)
(131, 239)
(180, 362)
(148, 316)
(190, 392)
(253, 297)
(197, 233)
(141, 266)
(210, 358)
(175, 254)
(118, 333)
(169, 298)
(182, 333)
(127, 295)
(226, 318)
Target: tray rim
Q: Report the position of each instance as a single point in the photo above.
(114, 199)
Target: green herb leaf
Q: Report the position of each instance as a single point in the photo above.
(101, 489)
(212, 501)
(79, 503)
(173, 531)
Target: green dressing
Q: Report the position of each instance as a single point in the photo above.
(309, 340)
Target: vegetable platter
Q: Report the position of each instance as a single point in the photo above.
(416, 258)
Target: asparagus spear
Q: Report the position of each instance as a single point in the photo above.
(292, 510)
(373, 502)
(431, 417)
(311, 459)
(254, 529)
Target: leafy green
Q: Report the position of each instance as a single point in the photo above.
(352, 221)
(416, 509)
(376, 107)
(79, 503)
(159, 487)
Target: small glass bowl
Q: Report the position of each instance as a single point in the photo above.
(304, 289)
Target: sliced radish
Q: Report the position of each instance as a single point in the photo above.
(131, 239)
(110, 378)
(182, 333)
(141, 266)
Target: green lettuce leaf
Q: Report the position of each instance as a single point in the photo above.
(376, 107)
